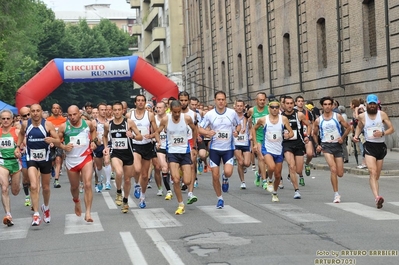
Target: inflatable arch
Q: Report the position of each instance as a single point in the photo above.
(58, 71)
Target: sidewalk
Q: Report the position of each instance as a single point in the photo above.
(390, 167)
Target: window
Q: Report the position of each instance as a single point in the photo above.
(240, 73)
(261, 65)
(287, 54)
(369, 29)
(321, 43)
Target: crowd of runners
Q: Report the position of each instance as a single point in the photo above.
(175, 141)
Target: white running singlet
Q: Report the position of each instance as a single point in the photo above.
(373, 125)
(273, 133)
(177, 140)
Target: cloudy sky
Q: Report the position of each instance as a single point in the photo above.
(78, 5)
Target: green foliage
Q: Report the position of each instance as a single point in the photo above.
(30, 37)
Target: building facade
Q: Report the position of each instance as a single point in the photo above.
(160, 35)
(344, 49)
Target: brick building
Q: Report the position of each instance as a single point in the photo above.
(345, 49)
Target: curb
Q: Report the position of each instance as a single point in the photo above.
(356, 171)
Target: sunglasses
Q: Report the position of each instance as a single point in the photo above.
(6, 118)
(25, 115)
(274, 107)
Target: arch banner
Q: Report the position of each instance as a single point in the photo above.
(58, 71)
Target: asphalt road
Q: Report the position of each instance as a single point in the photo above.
(249, 230)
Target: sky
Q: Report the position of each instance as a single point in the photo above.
(78, 5)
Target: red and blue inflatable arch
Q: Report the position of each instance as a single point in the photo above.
(58, 71)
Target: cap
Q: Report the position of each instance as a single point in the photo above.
(372, 99)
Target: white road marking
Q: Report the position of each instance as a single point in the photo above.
(365, 211)
(169, 254)
(155, 218)
(77, 225)
(133, 250)
(296, 213)
(109, 200)
(18, 230)
(228, 215)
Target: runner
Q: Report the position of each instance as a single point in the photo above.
(39, 135)
(372, 123)
(9, 165)
(328, 125)
(57, 119)
(242, 143)
(273, 135)
(25, 115)
(79, 162)
(119, 131)
(178, 148)
(224, 125)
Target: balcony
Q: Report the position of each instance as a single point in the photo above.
(159, 34)
(134, 4)
(136, 30)
(148, 19)
(157, 3)
(152, 50)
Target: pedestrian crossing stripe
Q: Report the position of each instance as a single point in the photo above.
(228, 215)
(77, 225)
(18, 230)
(132, 248)
(155, 218)
(296, 213)
(366, 211)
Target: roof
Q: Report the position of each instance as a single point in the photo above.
(95, 12)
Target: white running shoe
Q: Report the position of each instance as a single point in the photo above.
(337, 199)
(160, 192)
(243, 186)
(297, 195)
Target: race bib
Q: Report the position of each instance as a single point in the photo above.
(331, 137)
(223, 135)
(6, 142)
(119, 143)
(274, 136)
(38, 154)
(143, 130)
(371, 130)
(241, 139)
(78, 140)
(177, 140)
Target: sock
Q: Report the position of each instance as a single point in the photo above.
(301, 176)
(36, 213)
(125, 200)
(46, 207)
(142, 197)
(181, 203)
(220, 198)
(119, 191)
(296, 189)
(190, 194)
(107, 172)
(336, 193)
(26, 189)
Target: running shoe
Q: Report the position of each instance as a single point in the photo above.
(125, 208)
(169, 195)
(57, 184)
(275, 198)
(243, 186)
(192, 199)
(302, 181)
(27, 201)
(225, 184)
(183, 187)
(264, 184)
(46, 214)
(289, 178)
(81, 187)
(97, 189)
(200, 167)
(297, 195)
(270, 187)
(245, 170)
(196, 184)
(379, 201)
(118, 199)
(100, 186)
(307, 170)
(137, 191)
(107, 186)
(220, 204)
(160, 192)
(180, 210)
(337, 199)
(281, 185)
(142, 204)
(112, 175)
(7, 220)
(36, 220)
(149, 186)
(205, 169)
(257, 179)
